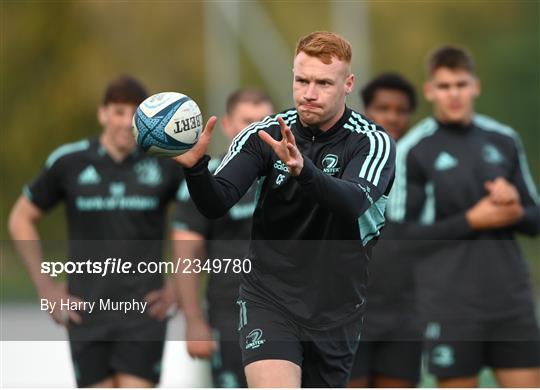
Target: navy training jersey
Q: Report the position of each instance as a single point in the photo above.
(440, 173)
(121, 204)
(226, 237)
(312, 234)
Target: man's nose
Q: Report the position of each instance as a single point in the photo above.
(454, 91)
(311, 92)
(393, 117)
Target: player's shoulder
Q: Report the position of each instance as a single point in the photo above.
(360, 125)
(269, 124)
(492, 126)
(68, 151)
(364, 131)
(418, 134)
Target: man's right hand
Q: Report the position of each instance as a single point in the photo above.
(486, 215)
(501, 191)
(192, 156)
(58, 292)
(200, 343)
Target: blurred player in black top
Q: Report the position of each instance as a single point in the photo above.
(195, 236)
(324, 173)
(463, 177)
(117, 195)
(390, 346)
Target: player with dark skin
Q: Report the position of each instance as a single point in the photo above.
(392, 109)
(390, 101)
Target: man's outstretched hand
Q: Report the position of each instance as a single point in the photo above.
(286, 149)
(190, 158)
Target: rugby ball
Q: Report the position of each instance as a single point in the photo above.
(167, 124)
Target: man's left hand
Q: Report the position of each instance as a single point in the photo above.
(162, 303)
(286, 149)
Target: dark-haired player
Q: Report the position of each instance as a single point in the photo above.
(463, 177)
(116, 199)
(324, 173)
(225, 238)
(390, 347)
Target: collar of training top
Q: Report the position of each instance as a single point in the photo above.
(315, 134)
(135, 154)
(456, 127)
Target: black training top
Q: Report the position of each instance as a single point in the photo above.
(441, 172)
(121, 204)
(311, 233)
(226, 238)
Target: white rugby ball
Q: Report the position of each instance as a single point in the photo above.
(167, 124)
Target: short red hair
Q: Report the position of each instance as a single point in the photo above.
(324, 45)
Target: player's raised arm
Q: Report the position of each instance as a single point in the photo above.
(215, 194)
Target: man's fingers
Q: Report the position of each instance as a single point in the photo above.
(201, 349)
(292, 149)
(74, 298)
(282, 124)
(290, 136)
(61, 318)
(152, 296)
(206, 135)
(500, 179)
(209, 127)
(268, 139)
(74, 317)
(158, 310)
(286, 132)
(283, 128)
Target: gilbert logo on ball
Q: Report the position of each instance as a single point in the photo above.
(167, 124)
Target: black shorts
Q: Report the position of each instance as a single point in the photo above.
(325, 356)
(100, 352)
(456, 350)
(394, 359)
(227, 367)
(391, 346)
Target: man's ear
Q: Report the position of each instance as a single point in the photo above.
(225, 122)
(102, 115)
(477, 87)
(349, 83)
(226, 126)
(428, 91)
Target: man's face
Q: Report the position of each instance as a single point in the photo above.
(319, 89)
(452, 93)
(244, 114)
(116, 120)
(391, 109)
